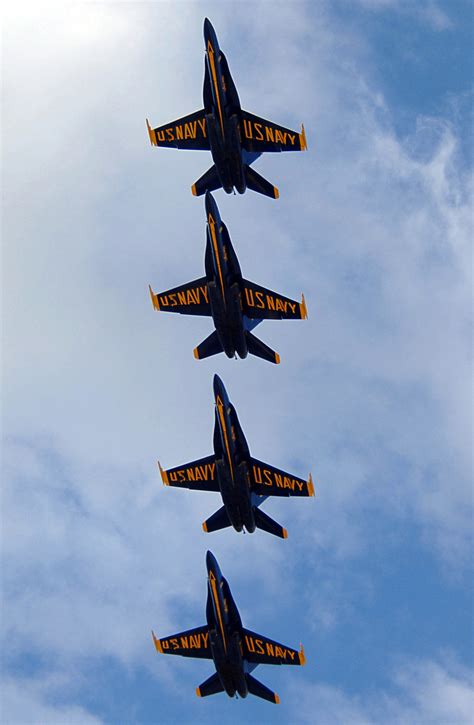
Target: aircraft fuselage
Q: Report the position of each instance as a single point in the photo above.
(224, 280)
(232, 455)
(223, 115)
(225, 631)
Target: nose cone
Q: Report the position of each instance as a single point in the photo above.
(210, 36)
(219, 389)
(211, 207)
(211, 562)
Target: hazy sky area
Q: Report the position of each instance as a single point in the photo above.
(373, 394)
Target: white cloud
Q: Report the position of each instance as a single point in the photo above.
(421, 692)
(371, 393)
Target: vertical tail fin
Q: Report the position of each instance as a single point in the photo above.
(218, 520)
(208, 182)
(260, 690)
(264, 522)
(209, 346)
(258, 348)
(257, 183)
(211, 686)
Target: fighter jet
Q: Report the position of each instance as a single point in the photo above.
(235, 304)
(243, 482)
(236, 651)
(234, 137)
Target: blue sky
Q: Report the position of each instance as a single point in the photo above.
(374, 225)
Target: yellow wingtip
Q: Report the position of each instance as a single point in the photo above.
(157, 643)
(303, 143)
(154, 299)
(198, 692)
(303, 308)
(277, 699)
(276, 193)
(164, 475)
(285, 534)
(196, 353)
(277, 359)
(194, 190)
(204, 527)
(301, 655)
(310, 485)
(151, 134)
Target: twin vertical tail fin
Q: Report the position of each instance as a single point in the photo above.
(260, 690)
(264, 522)
(258, 348)
(210, 687)
(257, 183)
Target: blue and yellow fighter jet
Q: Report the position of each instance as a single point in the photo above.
(236, 651)
(243, 482)
(234, 137)
(235, 304)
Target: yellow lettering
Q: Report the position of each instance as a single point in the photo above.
(249, 297)
(261, 303)
(170, 134)
(287, 483)
(269, 133)
(190, 299)
(202, 124)
(300, 485)
(179, 133)
(278, 480)
(173, 476)
(194, 641)
(204, 293)
(173, 299)
(270, 651)
(182, 298)
(250, 643)
(165, 644)
(174, 642)
(280, 305)
(260, 649)
(205, 637)
(279, 652)
(184, 642)
(257, 474)
(292, 137)
(258, 131)
(280, 137)
(181, 475)
(268, 477)
(160, 135)
(247, 129)
(191, 474)
(163, 300)
(190, 130)
(292, 307)
(291, 653)
(211, 469)
(270, 302)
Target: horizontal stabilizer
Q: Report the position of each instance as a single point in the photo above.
(209, 346)
(259, 690)
(258, 348)
(210, 687)
(264, 522)
(217, 521)
(257, 183)
(208, 182)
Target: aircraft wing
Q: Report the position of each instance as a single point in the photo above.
(188, 132)
(267, 480)
(264, 304)
(260, 136)
(191, 643)
(191, 298)
(199, 475)
(262, 650)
